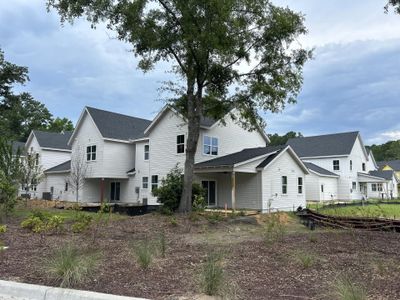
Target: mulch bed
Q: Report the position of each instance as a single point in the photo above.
(259, 271)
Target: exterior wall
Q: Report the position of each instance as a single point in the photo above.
(272, 195)
(314, 191)
(118, 159)
(142, 170)
(57, 181)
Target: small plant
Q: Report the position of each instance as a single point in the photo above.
(3, 228)
(194, 216)
(144, 253)
(346, 289)
(306, 260)
(162, 242)
(69, 266)
(274, 229)
(82, 222)
(32, 223)
(43, 223)
(199, 203)
(214, 217)
(212, 274)
(101, 218)
(173, 221)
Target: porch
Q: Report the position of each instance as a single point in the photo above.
(373, 187)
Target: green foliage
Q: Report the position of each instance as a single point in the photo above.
(173, 221)
(170, 191)
(70, 265)
(274, 229)
(395, 4)
(212, 274)
(388, 211)
(346, 289)
(39, 222)
(387, 151)
(276, 139)
(305, 259)
(214, 217)
(3, 228)
(199, 203)
(82, 222)
(60, 125)
(144, 252)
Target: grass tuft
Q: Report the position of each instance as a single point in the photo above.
(144, 253)
(212, 274)
(346, 289)
(305, 259)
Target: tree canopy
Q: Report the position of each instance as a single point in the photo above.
(395, 4)
(21, 113)
(241, 54)
(387, 151)
(276, 139)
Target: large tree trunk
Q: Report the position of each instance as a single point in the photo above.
(193, 116)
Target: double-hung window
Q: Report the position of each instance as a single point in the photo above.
(91, 153)
(180, 143)
(351, 165)
(300, 185)
(336, 165)
(354, 186)
(380, 189)
(284, 185)
(210, 145)
(363, 167)
(373, 187)
(66, 186)
(154, 182)
(146, 152)
(145, 182)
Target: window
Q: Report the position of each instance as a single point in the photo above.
(115, 191)
(66, 187)
(37, 159)
(380, 189)
(34, 185)
(284, 184)
(336, 165)
(210, 145)
(351, 165)
(322, 188)
(180, 143)
(91, 153)
(210, 188)
(354, 186)
(300, 185)
(363, 166)
(146, 152)
(154, 182)
(145, 182)
(373, 187)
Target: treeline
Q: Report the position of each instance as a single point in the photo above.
(20, 113)
(386, 151)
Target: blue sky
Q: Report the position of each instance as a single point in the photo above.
(353, 83)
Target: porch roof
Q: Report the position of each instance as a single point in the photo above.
(386, 174)
(365, 177)
(230, 160)
(61, 168)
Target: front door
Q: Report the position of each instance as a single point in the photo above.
(115, 191)
(210, 188)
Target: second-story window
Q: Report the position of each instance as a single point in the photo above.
(300, 185)
(37, 159)
(145, 182)
(351, 165)
(284, 184)
(210, 145)
(336, 165)
(91, 153)
(146, 152)
(180, 143)
(363, 166)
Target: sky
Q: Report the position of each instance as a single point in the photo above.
(353, 82)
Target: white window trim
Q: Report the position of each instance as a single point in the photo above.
(184, 144)
(211, 137)
(91, 153)
(151, 181)
(300, 185)
(284, 184)
(144, 152)
(338, 165)
(147, 183)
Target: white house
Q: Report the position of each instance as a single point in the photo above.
(341, 168)
(127, 157)
(50, 149)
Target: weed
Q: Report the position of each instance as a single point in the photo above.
(274, 229)
(162, 243)
(173, 221)
(345, 289)
(212, 274)
(305, 259)
(69, 266)
(194, 216)
(3, 228)
(82, 222)
(144, 253)
(214, 217)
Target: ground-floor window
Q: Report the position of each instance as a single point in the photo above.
(284, 184)
(300, 185)
(145, 182)
(380, 189)
(373, 187)
(322, 188)
(210, 188)
(354, 186)
(115, 191)
(66, 186)
(154, 182)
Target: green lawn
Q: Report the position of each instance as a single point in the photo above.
(390, 211)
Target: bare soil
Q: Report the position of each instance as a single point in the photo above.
(256, 270)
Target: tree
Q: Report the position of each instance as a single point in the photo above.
(31, 171)
(276, 139)
(387, 151)
(395, 4)
(10, 166)
(225, 54)
(60, 125)
(79, 168)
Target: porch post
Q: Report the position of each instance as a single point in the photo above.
(233, 186)
(101, 190)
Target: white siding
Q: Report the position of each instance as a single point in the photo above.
(314, 191)
(57, 181)
(284, 165)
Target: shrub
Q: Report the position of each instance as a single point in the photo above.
(170, 191)
(82, 222)
(306, 260)
(199, 203)
(3, 228)
(274, 229)
(212, 274)
(69, 266)
(144, 253)
(40, 223)
(345, 289)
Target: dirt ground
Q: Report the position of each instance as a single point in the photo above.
(255, 269)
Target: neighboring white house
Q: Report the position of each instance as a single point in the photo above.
(127, 157)
(342, 168)
(50, 149)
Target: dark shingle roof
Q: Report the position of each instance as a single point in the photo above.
(207, 121)
(388, 175)
(319, 170)
(117, 126)
(324, 145)
(394, 164)
(64, 167)
(234, 158)
(18, 145)
(53, 139)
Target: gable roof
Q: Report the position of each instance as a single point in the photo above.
(324, 145)
(387, 174)
(394, 164)
(118, 126)
(53, 140)
(17, 145)
(321, 171)
(61, 168)
(246, 154)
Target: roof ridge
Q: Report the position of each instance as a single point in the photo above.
(116, 113)
(327, 134)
